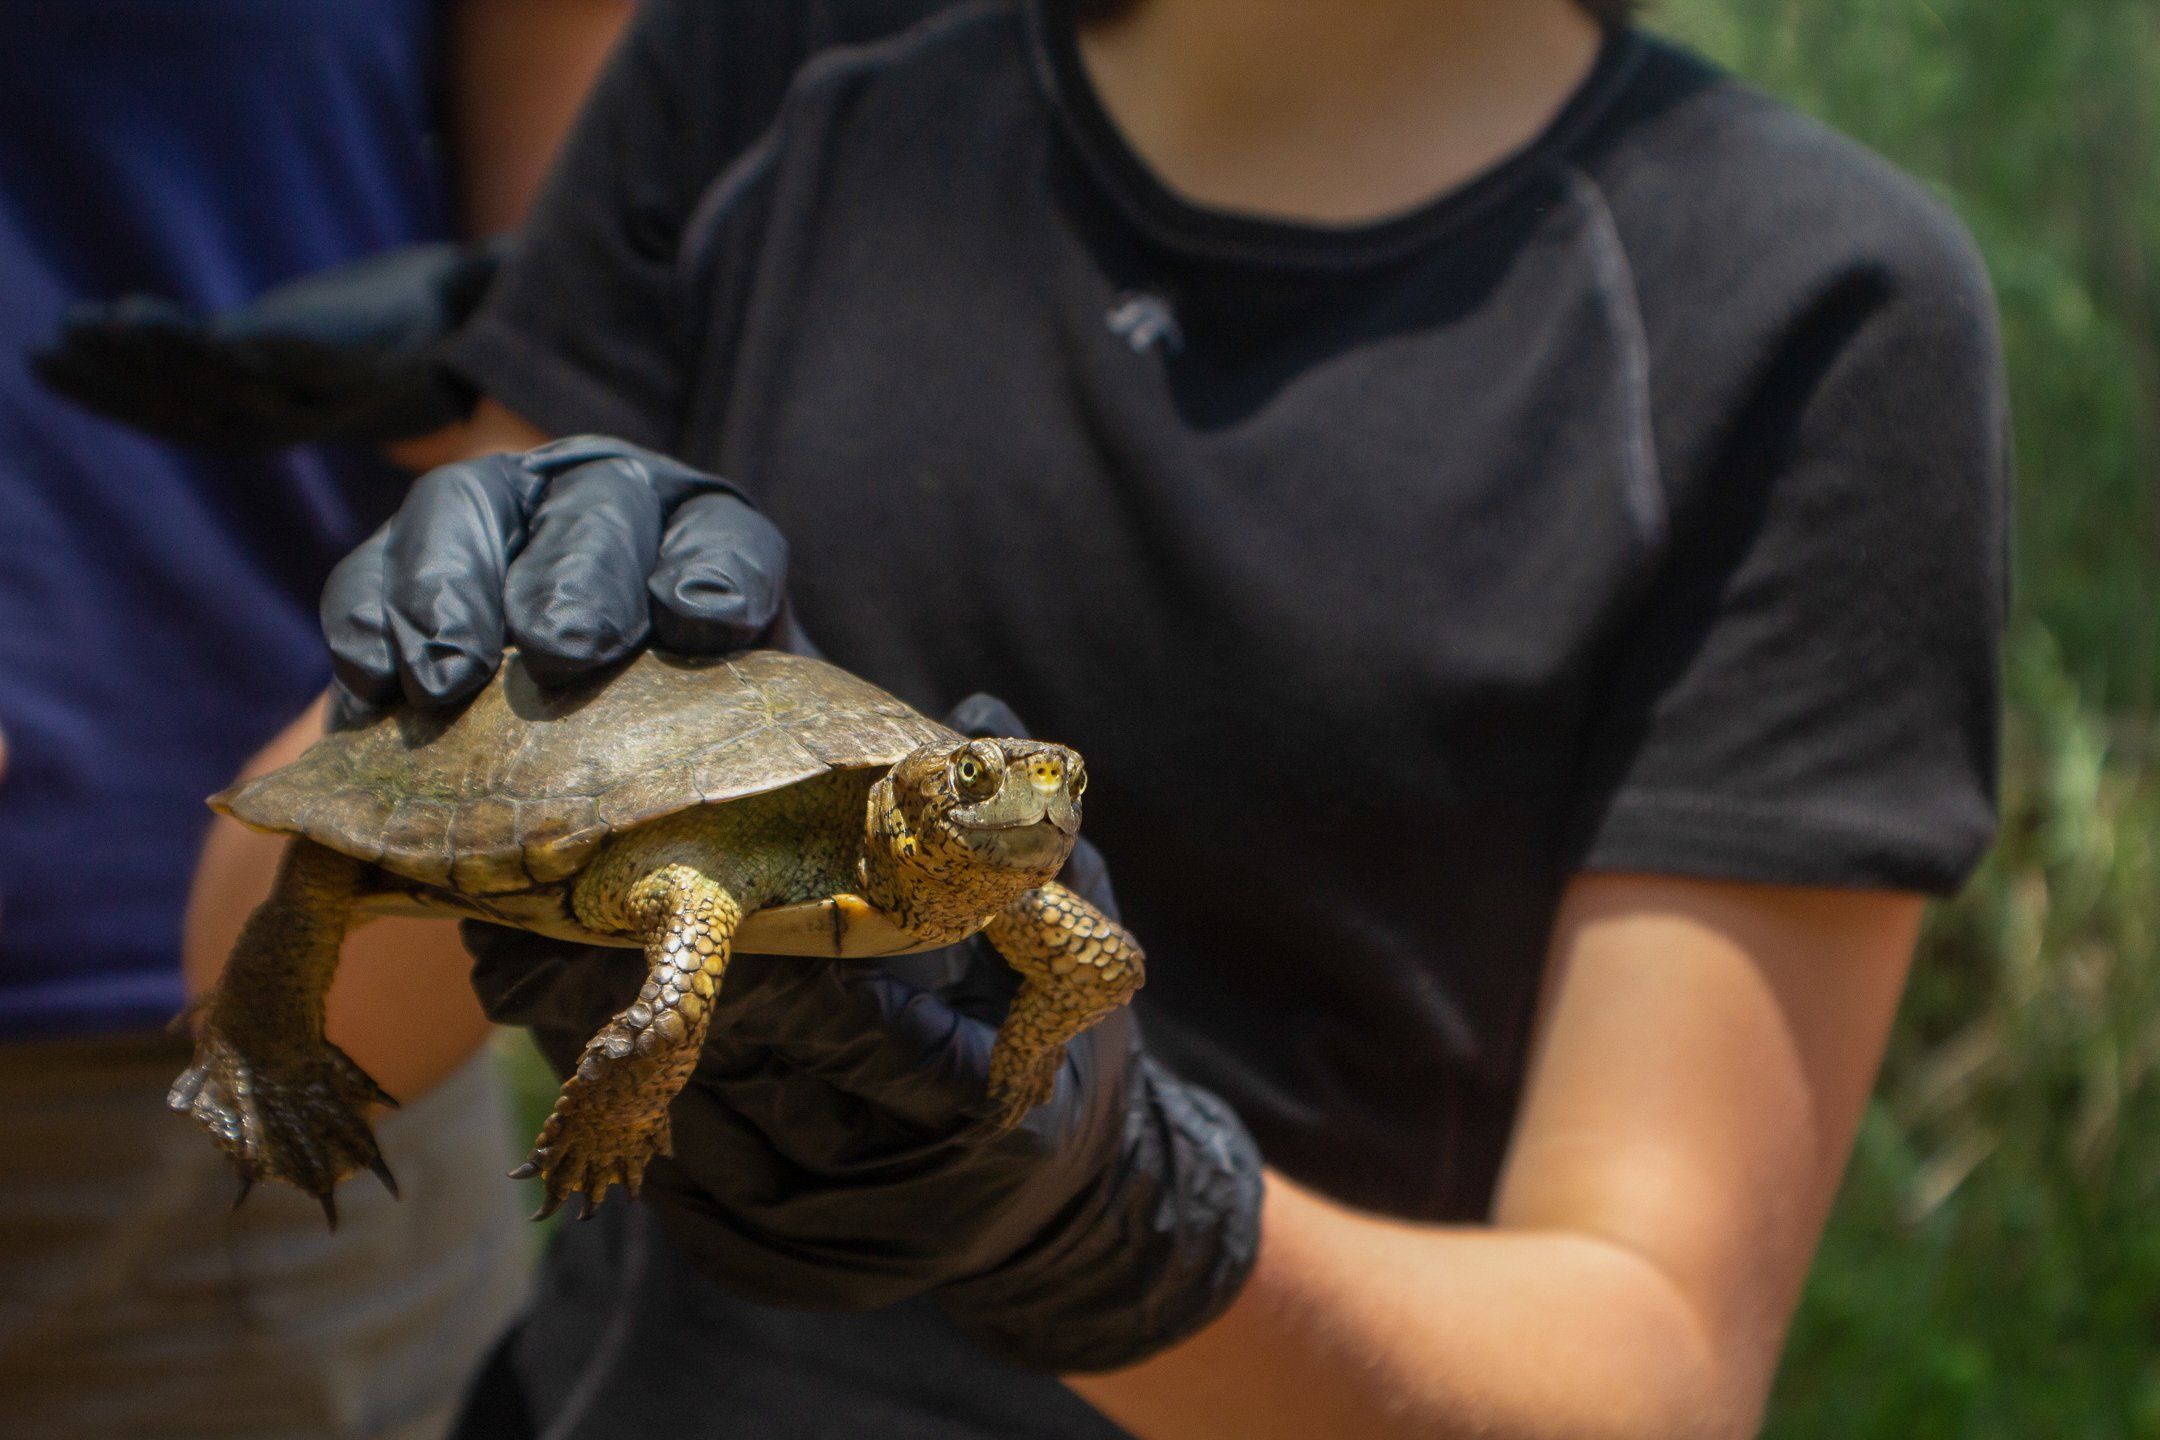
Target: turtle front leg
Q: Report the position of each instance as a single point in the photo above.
(612, 1115)
(276, 1095)
(1076, 966)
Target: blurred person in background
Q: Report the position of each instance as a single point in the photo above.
(1514, 520)
(157, 629)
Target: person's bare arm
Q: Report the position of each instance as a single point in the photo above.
(1704, 1056)
(519, 70)
(488, 429)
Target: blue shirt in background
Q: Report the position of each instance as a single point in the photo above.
(157, 605)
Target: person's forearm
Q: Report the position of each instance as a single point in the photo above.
(519, 72)
(490, 429)
(1353, 1325)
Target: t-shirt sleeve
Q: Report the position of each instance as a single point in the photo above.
(583, 330)
(1808, 693)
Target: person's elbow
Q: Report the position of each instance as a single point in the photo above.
(1676, 1372)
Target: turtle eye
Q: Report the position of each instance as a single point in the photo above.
(972, 777)
(1079, 780)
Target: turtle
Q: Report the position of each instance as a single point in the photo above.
(761, 801)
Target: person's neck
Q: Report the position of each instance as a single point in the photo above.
(1333, 111)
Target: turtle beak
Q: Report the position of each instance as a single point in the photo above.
(1041, 846)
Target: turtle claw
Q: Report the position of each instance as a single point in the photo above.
(1016, 1089)
(302, 1121)
(571, 1160)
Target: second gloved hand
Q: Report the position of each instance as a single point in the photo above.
(348, 354)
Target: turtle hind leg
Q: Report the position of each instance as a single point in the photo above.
(277, 1096)
(1076, 966)
(612, 1115)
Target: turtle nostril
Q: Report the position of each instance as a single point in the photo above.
(1047, 776)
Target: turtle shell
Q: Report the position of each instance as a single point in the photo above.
(522, 786)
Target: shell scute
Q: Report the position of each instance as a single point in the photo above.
(416, 839)
(361, 814)
(479, 863)
(557, 836)
(641, 797)
(752, 763)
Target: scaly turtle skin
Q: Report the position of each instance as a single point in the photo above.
(763, 802)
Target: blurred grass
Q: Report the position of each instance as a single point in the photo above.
(1993, 1268)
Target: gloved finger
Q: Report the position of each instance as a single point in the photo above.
(741, 1209)
(401, 299)
(575, 599)
(175, 391)
(358, 627)
(299, 372)
(867, 1033)
(154, 342)
(134, 316)
(721, 576)
(119, 395)
(447, 561)
(345, 710)
(124, 369)
(294, 389)
(718, 581)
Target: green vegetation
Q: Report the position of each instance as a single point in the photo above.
(1993, 1269)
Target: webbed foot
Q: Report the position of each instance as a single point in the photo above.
(609, 1122)
(302, 1121)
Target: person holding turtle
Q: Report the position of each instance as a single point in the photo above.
(1514, 521)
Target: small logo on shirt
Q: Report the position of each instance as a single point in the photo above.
(1144, 321)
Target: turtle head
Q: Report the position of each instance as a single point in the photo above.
(1014, 804)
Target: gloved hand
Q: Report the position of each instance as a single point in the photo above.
(579, 552)
(829, 1150)
(348, 354)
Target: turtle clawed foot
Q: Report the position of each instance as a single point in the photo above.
(301, 1122)
(1018, 1086)
(577, 1155)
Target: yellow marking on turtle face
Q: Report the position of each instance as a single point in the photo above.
(1046, 773)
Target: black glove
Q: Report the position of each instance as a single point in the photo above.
(578, 552)
(349, 354)
(828, 1150)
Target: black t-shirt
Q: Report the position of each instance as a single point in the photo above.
(1637, 506)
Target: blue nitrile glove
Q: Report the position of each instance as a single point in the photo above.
(350, 354)
(579, 553)
(829, 1151)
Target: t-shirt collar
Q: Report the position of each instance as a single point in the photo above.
(1206, 231)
